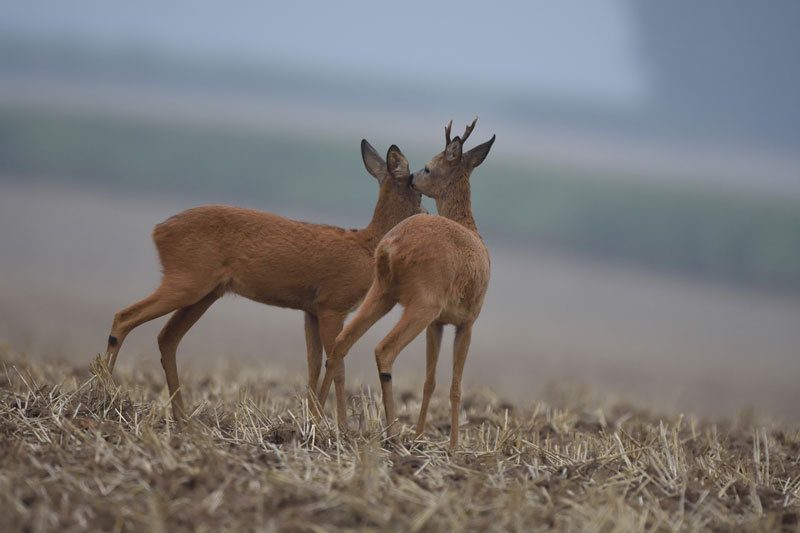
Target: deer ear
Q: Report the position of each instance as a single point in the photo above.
(476, 156)
(453, 150)
(396, 163)
(374, 163)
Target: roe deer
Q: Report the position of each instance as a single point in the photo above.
(437, 268)
(322, 270)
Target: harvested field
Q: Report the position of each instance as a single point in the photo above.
(80, 451)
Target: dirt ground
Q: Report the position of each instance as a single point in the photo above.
(83, 451)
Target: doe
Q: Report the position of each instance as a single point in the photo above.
(322, 270)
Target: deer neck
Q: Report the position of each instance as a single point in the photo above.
(457, 206)
(386, 216)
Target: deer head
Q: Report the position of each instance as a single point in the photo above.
(393, 175)
(451, 166)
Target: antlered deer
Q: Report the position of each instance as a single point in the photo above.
(322, 270)
(437, 268)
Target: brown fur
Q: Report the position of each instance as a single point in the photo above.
(322, 270)
(437, 268)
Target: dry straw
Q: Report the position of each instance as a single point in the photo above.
(94, 453)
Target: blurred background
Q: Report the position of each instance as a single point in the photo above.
(641, 203)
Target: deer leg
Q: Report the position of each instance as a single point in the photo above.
(376, 304)
(313, 354)
(460, 349)
(330, 324)
(433, 344)
(169, 338)
(415, 318)
(168, 297)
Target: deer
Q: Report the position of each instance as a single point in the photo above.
(437, 267)
(325, 271)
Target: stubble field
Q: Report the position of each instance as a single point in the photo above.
(82, 451)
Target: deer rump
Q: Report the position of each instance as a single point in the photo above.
(410, 266)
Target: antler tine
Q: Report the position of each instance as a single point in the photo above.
(447, 132)
(469, 129)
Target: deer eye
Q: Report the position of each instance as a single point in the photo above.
(427, 170)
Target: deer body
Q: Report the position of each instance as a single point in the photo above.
(437, 268)
(323, 270)
(441, 257)
(268, 258)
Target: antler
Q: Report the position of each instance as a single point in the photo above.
(469, 130)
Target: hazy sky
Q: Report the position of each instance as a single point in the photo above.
(564, 48)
